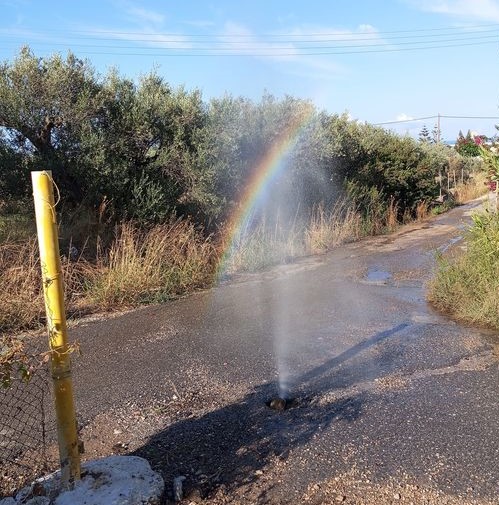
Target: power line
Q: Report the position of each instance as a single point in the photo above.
(220, 39)
(470, 117)
(189, 45)
(272, 35)
(257, 45)
(405, 120)
(270, 52)
(434, 117)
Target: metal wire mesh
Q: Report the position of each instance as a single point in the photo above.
(27, 432)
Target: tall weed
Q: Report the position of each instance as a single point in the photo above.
(21, 299)
(262, 247)
(422, 210)
(328, 229)
(21, 295)
(151, 265)
(467, 286)
(139, 266)
(473, 188)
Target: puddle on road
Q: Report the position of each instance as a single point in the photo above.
(377, 276)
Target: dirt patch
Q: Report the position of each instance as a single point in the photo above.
(390, 382)
(268, 483)
(355, 488)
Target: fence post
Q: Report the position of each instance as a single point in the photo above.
(46, 225)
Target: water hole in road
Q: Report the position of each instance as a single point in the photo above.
(378, 276)
(281, 404)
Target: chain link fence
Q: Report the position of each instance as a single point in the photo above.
(27, 432)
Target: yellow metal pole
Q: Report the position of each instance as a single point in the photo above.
(46, 225)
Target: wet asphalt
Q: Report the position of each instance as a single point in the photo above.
(383, 383)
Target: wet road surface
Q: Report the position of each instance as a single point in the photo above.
(384, 386)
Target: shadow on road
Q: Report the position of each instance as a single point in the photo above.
(318, 373)
(230, 445)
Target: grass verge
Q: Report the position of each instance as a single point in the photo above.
(328, 229)
(21, 302)
(139, 266)
(266, 246)
(466, 287)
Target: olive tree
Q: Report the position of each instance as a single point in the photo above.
(44, 105)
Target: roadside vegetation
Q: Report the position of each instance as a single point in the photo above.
(150, 175)
(466, 286)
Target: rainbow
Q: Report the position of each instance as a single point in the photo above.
(267, 170)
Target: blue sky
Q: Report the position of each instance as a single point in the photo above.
(378, 60)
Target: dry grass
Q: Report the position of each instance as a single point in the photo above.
(328, 229)
(21, 296)
(21, 300)
(391, 220)
(422, 210)
(264, 246)
(261, 248)
(140, 266)
(152, 265)
(470, 190)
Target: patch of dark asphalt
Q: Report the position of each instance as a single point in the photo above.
(438, 432)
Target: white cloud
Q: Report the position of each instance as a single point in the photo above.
(476, 10)
(148, 29)
(153, 39)
(403, 117)
(301, 46)
(332, 39)
(145, 15)
(237, 39)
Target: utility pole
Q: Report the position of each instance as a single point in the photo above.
(50, 260)
(438, 128)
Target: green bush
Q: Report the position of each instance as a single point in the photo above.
(147, 151)
(376, 163)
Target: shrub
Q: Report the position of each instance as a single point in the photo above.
(466, 286)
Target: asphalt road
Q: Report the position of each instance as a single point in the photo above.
(384, 386)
